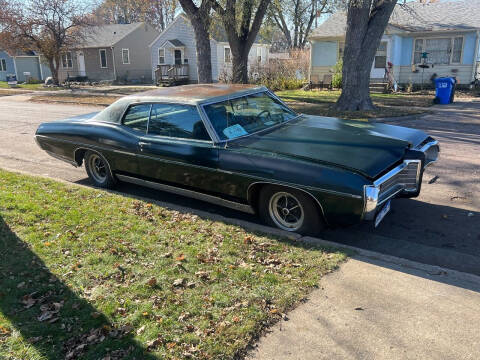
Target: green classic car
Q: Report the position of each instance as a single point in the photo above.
(242, 147)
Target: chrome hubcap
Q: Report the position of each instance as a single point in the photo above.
(98, 168)
(286, 211)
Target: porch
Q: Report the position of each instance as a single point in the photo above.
(171, 74)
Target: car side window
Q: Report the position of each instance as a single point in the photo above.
(177, 120)
(137, 116)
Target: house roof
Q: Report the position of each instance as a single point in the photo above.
(176, 42)
(107, 35)
(416, 17)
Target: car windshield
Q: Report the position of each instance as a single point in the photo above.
(246, 115)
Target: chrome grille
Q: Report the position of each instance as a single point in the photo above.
(402, 180)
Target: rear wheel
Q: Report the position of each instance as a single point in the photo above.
(98, 170)
(290, 210)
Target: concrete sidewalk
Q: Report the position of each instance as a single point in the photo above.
(370, 309)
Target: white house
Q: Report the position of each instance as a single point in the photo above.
(174, 51)
(448, 32)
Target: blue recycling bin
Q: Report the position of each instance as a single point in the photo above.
(444, 90)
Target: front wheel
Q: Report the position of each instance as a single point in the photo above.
(98, 170)
(290, 210)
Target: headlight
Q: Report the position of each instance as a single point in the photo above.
(371, 200)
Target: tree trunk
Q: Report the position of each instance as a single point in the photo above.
(365, 25)
(204, 52)
(240, 68)
(53, 70)
(200, 20)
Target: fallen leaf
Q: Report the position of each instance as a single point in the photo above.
(155, 343)
(95, 314)
(178, 282)
(34, 340)
(235, 319)
(152, 282)
(181, 257)
(21, 285)
(141, 330)
(171, 345)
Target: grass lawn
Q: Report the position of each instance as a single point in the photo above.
(94, 275)
(317, 102)
(102, 100)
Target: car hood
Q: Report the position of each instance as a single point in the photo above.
(363, 147)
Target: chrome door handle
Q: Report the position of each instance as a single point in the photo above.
(142, 144)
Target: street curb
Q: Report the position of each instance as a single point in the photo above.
(359, 253)
(373, 255)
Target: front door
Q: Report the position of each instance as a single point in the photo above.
(178, 57)
(380, 61)
(81, 64)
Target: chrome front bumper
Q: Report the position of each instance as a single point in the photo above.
(405, 178)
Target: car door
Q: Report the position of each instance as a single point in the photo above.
(177, 149)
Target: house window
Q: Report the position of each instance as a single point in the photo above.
(457, 50)
(259, 54)
(440, 51)
(125, 56)
(381, 56)
(67, 62)
(417, 57)
(3, 65)
(341, 49)
(103, 58)
(227, 56)
(161, 56)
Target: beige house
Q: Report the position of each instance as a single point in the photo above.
(117, 52)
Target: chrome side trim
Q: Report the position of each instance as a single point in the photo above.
(59, 157)
(288, 186)
(188, 193)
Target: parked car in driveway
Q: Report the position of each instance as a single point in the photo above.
(242, 147)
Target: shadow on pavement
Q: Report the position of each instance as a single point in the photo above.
(49, 315)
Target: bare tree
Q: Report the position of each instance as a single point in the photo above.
(295, 18)
(49, 27)
(366, 23)
(159, 13)
(241, 32)
(200, 19)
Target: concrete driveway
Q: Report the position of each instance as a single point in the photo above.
(441, 227)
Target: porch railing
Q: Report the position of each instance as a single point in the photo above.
(171, 73)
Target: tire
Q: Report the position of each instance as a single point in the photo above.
(98, 170)
(300, 215)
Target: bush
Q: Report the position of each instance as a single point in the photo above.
(32, 80)
(282, 74)
(337, 74)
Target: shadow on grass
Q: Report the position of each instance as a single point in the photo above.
(56, 321)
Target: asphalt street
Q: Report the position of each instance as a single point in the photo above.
(440, 227)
